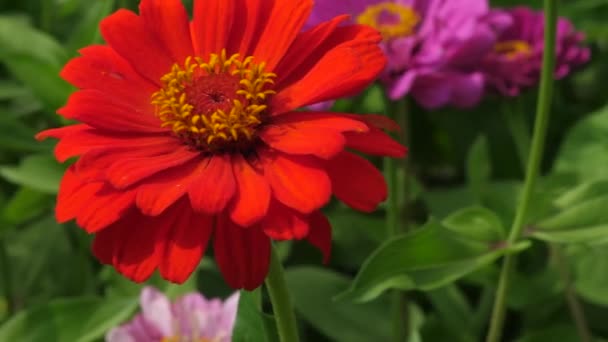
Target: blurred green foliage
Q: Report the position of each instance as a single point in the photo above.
(468, 177)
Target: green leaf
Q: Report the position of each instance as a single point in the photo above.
(582, 192)
(79, 320)
(86, 31)
(40, 172)
(583, 222)
(479, 166)
(425, 259)
(455, 312)
(20, 39)
(251, 324)
(42, 79)
(585, 148)
(477, 223)
(36, 63)
(313, 289)
(24, 205)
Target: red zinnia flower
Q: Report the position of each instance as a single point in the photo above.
(189, 131)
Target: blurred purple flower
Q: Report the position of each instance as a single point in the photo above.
(434, 47)
(516, 60)
(190, 318)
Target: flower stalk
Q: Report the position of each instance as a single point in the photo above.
(281, 302)
(532, 167)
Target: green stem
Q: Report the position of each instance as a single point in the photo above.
(520, 132)
(532, 170)
(281, 302)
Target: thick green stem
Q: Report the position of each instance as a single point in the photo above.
(532, 169)
(521, 137)
(281, 302)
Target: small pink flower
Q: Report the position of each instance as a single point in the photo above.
(190, 318)
(516, 60)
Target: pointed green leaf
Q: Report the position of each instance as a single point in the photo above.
(477, 223)
(40, 172)
(586, 221)
(584, 150)
(425, 259)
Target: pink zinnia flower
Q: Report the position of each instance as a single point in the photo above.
(516, 60)
(434, 47)
(190, 318)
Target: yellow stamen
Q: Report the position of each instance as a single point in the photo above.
(226, 115)
(403, 25)
(513, 48)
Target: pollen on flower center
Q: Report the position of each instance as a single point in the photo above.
(215, 104)
(513, 48)
(391, 19)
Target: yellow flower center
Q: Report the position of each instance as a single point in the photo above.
(391, 19)
(513, 48)
(215, 104)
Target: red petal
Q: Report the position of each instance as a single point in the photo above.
(379, 121)
(133, 245)
(168, 20)
(285, 22)
(319, 134)
(86, 139)
(100, 111)
(297, 181)
(93, 205)
(356, 182)
(127, 34)
(214, 187)
(241, 254)
(323, 120)
(304, 44)
(138, 244)
(341, 66)
(292, 140)
(375, 142)
(60, 132)
(165, 188)
(250, 18)
(320, 234)
(95, 164)
(185, 244)
(252, 195)
(101, 68)
(126, 172)
(283, 223)
(211, 24)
